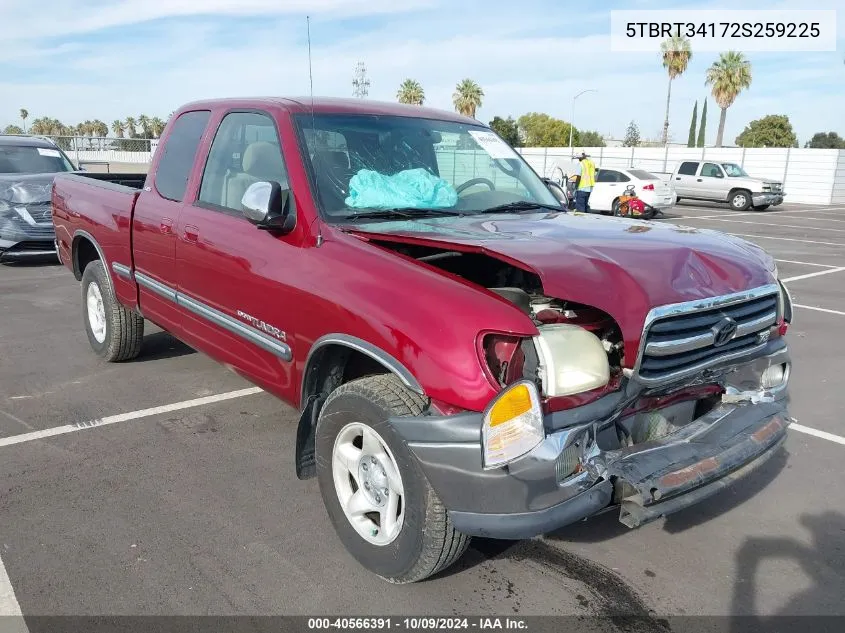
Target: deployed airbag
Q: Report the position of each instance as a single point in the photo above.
(416, 188)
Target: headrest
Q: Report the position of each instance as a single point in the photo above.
(263, 160)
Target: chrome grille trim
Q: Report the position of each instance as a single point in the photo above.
(699, 343)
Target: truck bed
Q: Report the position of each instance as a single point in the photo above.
(132, 181)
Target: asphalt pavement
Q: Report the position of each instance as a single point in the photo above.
(193, 508)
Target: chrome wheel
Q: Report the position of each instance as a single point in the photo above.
(96, 312)
(739, 201)
(368, 483)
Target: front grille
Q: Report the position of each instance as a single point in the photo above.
(693, 338)
(41, 213)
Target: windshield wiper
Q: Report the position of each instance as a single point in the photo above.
(401, 213)
(524, 205)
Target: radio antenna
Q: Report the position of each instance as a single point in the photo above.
(313, 129)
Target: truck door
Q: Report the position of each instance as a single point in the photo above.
(155, 217)
(685, 179)
(235, 279)
(712, 182)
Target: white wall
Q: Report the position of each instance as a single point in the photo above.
(809, 176)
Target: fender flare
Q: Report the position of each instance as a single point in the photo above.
(73, 254)
(362, 346)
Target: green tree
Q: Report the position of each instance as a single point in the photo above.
(467, 97)
(693, 121)
(156, 126)
(507, 129)
(676, 53)
(130, 124)
(541, 130)
(24, 116)
(632, 135)
(703, 129)
(144, 123)
(411, 92)
(117, 128)
(728, 76)
(589, 138)
(773, 130)
(826, 140)
(13, 129)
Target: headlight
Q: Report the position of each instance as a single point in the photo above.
(784, 303)
(572, 360)
(513, 425)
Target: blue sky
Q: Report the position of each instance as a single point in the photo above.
(108, 59)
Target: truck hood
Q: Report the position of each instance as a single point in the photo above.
(623, 267)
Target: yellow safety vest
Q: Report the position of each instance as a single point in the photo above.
(588, 174)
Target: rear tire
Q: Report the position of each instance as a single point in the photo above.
(114, 332)
(413, 540)
(614, 208)
(740, 200)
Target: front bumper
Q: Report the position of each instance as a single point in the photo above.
(11, 250)
(771, 199)
(534, 495)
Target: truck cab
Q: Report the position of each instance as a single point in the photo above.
(725, 182)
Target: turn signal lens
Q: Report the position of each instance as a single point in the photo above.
(513, 425)
(514, 402)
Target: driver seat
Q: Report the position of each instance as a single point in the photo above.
(262, 161)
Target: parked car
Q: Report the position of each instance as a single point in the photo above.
(656, 194)
(27, 167)
(725, 182)
(473, 361)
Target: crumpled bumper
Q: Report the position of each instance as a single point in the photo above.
(772, 199)
(539, 492)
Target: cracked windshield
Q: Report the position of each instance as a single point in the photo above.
(391, 167)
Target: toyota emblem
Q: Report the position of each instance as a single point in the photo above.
(723, 332)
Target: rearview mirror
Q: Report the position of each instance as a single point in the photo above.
(267, 205)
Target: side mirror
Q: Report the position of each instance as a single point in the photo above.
(557, 191)
(267, 205)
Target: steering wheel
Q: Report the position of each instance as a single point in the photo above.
(475, 181)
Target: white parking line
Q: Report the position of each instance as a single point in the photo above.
(815, 274)
(788, 239)
(830, 437)
(807, 218)
(792, 261)
(9, 605)
(827, 310)
(125, 417)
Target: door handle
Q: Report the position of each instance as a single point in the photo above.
(699, 180)
(192, 233)
(677, 177)
(166, 226)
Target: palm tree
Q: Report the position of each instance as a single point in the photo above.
(467, 97)
(24, 117)
(144, 122)
(156, 126)
(117, 128)
(411, 92)
(130, 126)
(728, 77)
(676, 55)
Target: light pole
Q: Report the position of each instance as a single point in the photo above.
(572, 116)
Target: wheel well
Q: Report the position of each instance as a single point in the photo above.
(736, 190)
(330, 366)
(84, 252)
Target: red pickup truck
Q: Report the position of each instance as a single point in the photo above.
(469, 357)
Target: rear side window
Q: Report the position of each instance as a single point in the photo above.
(180, 150)
(688, 169)
(642, 174)
(607, 175)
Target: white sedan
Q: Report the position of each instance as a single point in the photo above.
(655, 193)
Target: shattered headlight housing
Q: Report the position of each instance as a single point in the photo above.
(512, 425)
(784, 305)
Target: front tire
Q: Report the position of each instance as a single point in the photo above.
(740, 200)
(114, 332)
(377, 497)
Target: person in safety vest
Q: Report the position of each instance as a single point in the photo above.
(586, 181)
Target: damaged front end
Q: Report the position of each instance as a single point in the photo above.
(705, 403)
